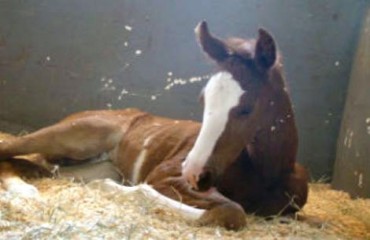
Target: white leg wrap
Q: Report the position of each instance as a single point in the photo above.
(109, 185)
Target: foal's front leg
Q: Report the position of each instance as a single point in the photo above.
(217, 209)
(211, 209)
(78, 139)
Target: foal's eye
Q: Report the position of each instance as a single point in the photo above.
(245, 111)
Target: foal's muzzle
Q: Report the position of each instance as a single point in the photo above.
(201, 180)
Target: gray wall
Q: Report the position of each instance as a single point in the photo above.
(54, 56)
(352, 165)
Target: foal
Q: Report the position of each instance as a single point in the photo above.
(242, 158)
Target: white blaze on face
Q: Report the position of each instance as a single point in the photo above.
(221, 94)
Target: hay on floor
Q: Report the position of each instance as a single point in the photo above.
(69, 210)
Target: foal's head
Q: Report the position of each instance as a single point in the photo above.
(233, 104)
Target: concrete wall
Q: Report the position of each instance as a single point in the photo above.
(58, 57)
(352, 166)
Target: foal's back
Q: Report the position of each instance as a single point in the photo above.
(146, 140)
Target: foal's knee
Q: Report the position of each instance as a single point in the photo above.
(228, 215)
(288, 197)
(297, 185)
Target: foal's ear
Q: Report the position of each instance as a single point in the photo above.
(213, 46)
(265, 51)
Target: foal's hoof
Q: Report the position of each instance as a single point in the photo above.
(228, 215)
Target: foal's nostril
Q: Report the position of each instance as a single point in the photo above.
(206, 181)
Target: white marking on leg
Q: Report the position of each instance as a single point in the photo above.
(139, 162)
(221, 94)
(186, 211)
(17, 186)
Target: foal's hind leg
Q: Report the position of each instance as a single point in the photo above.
(11, 181)
(78, 139)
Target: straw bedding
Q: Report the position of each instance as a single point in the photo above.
(69, 210)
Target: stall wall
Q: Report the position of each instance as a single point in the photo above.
(352, 166)
(59, 57)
